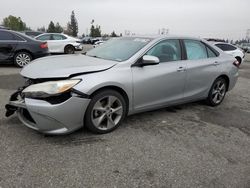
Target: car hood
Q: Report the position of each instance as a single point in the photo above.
(65, 66)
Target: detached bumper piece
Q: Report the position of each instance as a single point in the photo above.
(14, 103)
(61, 117)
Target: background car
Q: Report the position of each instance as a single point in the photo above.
(32, 34)
(61, 43)
(245, 47)
(98, 43)
(19, 48)
(86, 40)
(231, 50)
(94, 40)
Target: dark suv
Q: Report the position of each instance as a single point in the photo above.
(19, 48)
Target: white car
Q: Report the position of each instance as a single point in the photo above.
(231, 50)
(60, 43)
(98, 43)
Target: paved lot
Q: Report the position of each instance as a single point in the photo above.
(191, 145)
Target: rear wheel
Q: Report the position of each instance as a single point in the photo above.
(22, 58)
(69, 50)
(105, 112)
(217, 92)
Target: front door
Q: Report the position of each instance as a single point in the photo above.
(161, 84)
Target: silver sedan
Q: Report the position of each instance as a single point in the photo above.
(123, 76)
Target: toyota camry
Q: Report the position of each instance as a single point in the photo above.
(124, 76)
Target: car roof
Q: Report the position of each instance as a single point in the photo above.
(152, 37)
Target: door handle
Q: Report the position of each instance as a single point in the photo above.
(216, 63)
(181, 69)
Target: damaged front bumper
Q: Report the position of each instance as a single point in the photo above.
(49, 118)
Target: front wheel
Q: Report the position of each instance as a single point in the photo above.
(217, 92)
(105, 112)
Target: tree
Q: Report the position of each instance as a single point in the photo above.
(51, 27)
(95, 31)
(113, 34)
(73, 25)
(14, 23)
(68, 30)
(58, 28)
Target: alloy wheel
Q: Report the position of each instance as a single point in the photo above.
(107, 112)
(22, 59)
(218, 92)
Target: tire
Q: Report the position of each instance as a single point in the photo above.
(69, 49)
(106, 111)
(217, 92)
(22, 58)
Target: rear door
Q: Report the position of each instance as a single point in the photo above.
(203, 67)
(8, 44)
(58, 43)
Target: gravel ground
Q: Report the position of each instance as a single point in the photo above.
(190, 145)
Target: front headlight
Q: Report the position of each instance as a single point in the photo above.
(51, 87)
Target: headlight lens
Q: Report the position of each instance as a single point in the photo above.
(51, 87)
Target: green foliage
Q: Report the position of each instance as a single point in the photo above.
(58, 28)
(72, 26)
(113, 34)
(15, 23)
(95, 31)
(68, 31)
(51, 27)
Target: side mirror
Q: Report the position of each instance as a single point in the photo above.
(150, 60)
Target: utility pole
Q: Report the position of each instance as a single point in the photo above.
(248, 35)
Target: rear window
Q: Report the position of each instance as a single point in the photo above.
(226, 47)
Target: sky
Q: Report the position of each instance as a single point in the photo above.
(198, 18)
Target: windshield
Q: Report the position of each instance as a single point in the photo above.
(119, 49)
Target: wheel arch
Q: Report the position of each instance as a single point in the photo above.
(23, 50)
(115, 88)
(226, 78)
(68, 45)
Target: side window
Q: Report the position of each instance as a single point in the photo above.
(18, 38)
(210, 53)
(195, 50)
(43, 37)
(58, 37)
(226, 47)
(6, 36)
(168, 50)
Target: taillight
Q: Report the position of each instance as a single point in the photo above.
(236, 63)
(44, 45)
